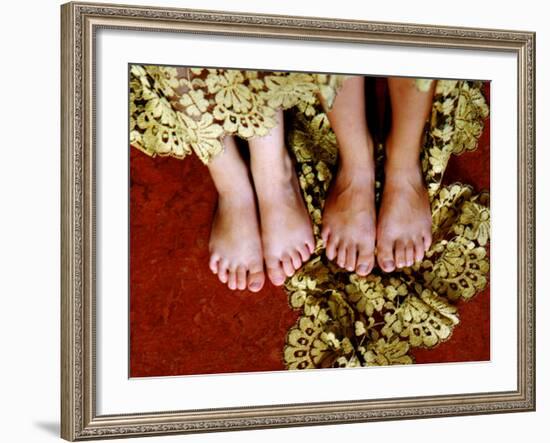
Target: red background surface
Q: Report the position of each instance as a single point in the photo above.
(184, 321)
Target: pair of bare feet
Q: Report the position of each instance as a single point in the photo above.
(357, 239)
(261, 217)
(401, 233)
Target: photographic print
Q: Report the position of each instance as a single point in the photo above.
(302, 220)
(253, 211)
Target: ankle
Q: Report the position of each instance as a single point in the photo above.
(272, 167)
(236, 198)
(402, 156)
(398, 173)
(358, 160)
(359, 172)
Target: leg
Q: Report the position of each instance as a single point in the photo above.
(235, 245)
(405, 221)
(287, 234)
(349, 216)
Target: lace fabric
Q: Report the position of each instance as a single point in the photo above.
(349, 321)
(346, 320)
(178, 111)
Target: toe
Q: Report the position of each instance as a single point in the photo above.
(304, 253)
(256, 277)
(427, 240)
(399, 254)
(341, 258)
(223, 271)
(325, 233)
(310, 243)
(418, 249)
(213, 264)
(365, 261)
(409, 254)
(351, 258)
(241, 277)
(296, 260)
(232, 279)
(288, 268)
(275, 272)
(332, 248)
(384, 256)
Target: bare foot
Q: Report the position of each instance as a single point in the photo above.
(349, 220)
(405, 219)
(235, 245)
(349, 214)
(287, 233)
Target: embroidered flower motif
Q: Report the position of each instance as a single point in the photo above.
(194, 103)
(242, 103)
(425, 321)
(457, 268)
(164, 78)
(470, 113)
(230, 91)
(370, 294)
(286, 91)
(346, 320)
(446, 205)
(386, 353)
(304, 347)
(203, 136)
(255, 122)
(254, 81)
(474, 222)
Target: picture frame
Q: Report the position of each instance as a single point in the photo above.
(80, 23)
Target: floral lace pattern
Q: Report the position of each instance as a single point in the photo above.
(346, 320)
(350, 321)
(177, 111)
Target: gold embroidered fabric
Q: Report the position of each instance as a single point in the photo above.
(346, 320)
(177, 111)
(350, 321)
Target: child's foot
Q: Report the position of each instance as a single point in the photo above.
(287, 233)
(349, 219)
(405, 219)
(235, 245)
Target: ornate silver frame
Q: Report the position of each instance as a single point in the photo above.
(79, 420)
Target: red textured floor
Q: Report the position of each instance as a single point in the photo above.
(184, 321)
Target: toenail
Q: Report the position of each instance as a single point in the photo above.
(255, 285)
(388, 264)
(362, 269)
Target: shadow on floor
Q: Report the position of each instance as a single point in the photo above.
(50, 427)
